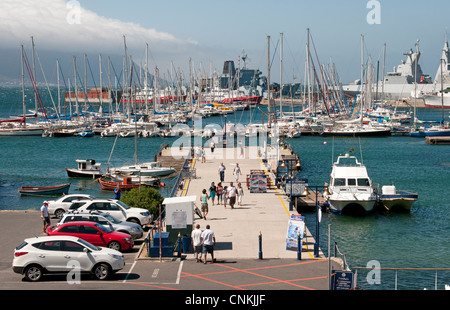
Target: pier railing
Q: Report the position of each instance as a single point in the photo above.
(396, 270)
(338, 253)
(183, 174)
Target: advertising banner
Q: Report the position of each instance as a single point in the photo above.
(296, 226)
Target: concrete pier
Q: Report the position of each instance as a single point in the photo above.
(238, 230)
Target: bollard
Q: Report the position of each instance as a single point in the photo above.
(179, 245)
(260, 246)
(299, 248)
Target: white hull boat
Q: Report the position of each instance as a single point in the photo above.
(350, 190)
(150, 169)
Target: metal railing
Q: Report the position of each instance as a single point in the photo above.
(184, 173)
(405, 269)
(344, 257)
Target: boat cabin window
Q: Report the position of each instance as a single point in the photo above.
(363, 182)
(82, 166)
(351, 182)
(339, 182)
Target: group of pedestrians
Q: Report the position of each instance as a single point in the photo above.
(203, 243)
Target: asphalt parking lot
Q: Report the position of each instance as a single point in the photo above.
(168, 275)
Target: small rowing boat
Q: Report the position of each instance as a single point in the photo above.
(45, 190)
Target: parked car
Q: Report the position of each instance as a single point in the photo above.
(133, 229)
(51, 254)
(114, 207)
(59, 206)
(94, 233)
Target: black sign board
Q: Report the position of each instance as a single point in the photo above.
(341, 280)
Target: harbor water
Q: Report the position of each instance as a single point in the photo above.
(418, 239)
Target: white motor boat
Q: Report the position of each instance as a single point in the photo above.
(87, 168)
(350, 189)
(150, 169)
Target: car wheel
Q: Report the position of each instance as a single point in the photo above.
(115, 245)
(102, 271)
(59, 213)
(134, 220)
(33, 273)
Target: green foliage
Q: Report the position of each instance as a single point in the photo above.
(146, 197)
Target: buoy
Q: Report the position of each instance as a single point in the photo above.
(325, 142)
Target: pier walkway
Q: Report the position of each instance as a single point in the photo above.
(237, 230)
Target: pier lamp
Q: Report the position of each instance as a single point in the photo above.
(318, 209)
(225, 134)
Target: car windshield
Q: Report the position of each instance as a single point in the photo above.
(111, 218)
(88, 245)
(103, 228)
(123, 205)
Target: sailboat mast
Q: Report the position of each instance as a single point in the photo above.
(415, 82)
(268, 75)
(101, 85)
(23, 85)
(75, 85)
(59, 92)
(308, 61)
(281, 75)
(442, 90)
(362, 76)
(34, 76)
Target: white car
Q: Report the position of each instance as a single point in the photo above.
(114, 207)
(63, 254)
(59, 206)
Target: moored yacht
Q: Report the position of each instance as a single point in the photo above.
(87, 168)
(350, 189)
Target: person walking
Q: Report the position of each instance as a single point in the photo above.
(222, 169)
(237, 172)
(203, 155)
(212, 145)
(196, 237)
(225, 196)
(219, 192)
(212, 192)
(232, 193)
(204, 201)
(240, 193)
(45, 217)
(117, 192)
(209, 242)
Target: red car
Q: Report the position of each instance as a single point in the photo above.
(95, 234)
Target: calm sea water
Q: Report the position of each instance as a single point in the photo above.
(418, 239)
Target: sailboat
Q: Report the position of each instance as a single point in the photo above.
(149, 169)
(18, 126)
(443, 128)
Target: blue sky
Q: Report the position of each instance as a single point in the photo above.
(212, 31)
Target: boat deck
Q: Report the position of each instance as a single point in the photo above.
(437, 140)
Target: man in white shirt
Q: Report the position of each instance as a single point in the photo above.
(232, 193)
(209, 241)
(196, 237)
(45, 217)
(222, 169)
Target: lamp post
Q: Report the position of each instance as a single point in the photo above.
(225, 134)
(316, 244)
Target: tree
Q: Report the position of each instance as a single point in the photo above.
(146, 197)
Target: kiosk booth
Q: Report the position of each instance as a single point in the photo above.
(179, 216)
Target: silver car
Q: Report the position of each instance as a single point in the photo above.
(133, 229)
